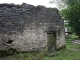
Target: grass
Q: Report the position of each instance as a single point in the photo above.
(69, 43)
(60, 55)
(64, 54)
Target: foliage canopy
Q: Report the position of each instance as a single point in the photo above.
(72, 14)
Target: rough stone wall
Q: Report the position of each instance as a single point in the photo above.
(27, 25)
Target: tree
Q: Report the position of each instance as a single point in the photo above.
(71, 14)
(63, 3)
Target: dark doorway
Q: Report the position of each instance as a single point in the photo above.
(51, 41)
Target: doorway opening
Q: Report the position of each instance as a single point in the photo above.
(51, 41)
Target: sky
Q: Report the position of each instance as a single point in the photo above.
(32, 2)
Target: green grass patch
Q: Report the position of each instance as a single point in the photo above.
(58, 55)
(69, 43)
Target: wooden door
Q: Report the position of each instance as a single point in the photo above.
(51, 39)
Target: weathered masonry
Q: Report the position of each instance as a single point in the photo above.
(30, 28)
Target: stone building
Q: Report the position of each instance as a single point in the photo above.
(30, 28)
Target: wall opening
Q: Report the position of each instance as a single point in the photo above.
(9, 41)
(51, 41)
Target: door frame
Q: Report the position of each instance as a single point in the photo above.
(54, 43)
